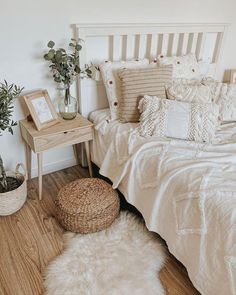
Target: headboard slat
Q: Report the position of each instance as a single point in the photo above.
(130, 47)
(180, 44)
(110, 48)
(170, 44)
(200, 45)
(218, 45)
(190, 43)
(160, 44)
(148, 46)
(136, 46)
(124, 47)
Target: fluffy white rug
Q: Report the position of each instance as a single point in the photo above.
(122, 260)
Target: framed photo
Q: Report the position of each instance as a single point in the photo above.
(233, 76)
(41, 109)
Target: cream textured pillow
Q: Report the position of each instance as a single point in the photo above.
(112, 83)
(136, 83)
(225, 96)
(189, 93)
(176, 119)
(184, 67)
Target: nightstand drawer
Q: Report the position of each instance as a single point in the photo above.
(62, 139)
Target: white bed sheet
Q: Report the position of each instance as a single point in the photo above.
(105, 131)
(186, 192)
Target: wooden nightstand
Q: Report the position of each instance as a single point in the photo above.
(64, 133)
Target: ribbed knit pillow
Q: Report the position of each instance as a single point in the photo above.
(109, 71)
(135, 83)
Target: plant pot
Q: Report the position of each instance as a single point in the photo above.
(12, 201)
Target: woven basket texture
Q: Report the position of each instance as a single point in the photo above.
(12, 201)
(87, 205)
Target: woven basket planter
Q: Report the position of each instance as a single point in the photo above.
(87, 205)
(12, 201)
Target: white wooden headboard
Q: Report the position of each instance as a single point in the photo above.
(128, 41)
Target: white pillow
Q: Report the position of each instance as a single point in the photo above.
(184, 67)
(109, 71)
(176, 119)
(187, 67)
(189, 93)
(225, 96)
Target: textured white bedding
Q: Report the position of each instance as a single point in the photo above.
(105, 132)
(186, 192)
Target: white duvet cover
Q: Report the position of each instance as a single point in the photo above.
(186, 192)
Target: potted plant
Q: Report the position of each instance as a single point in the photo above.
(13, 189)
(65, 68)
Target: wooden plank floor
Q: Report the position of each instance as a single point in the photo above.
(31, 238)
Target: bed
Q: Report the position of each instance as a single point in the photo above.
(186, 191)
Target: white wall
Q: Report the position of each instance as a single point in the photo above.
(27, 25)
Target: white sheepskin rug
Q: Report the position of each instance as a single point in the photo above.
(122, 260)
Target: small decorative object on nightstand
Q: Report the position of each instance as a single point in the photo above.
(41, 109)
(65, 68)
(62, 134)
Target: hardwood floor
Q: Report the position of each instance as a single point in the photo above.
(31, 238)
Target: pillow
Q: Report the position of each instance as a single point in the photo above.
(111, 81)
(176, 119)
(135, 83)
(189, 93)
(184, 67)
(225, 96)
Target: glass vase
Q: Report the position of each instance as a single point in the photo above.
(67, 105)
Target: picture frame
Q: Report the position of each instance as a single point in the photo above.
(41, 109)
(233, 76)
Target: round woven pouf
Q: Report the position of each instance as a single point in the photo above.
(87, 205)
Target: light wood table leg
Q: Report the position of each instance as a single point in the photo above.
(28, 159)
(40, 172)
(87, 149)
(76, 153)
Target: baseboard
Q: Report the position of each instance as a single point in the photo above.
(59, 165)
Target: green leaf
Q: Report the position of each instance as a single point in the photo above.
(57, 79)
(58, 55)
(51, 44)
(10, 130)
(46, 57)
(78, 47)
(50, 55)
(77, 70)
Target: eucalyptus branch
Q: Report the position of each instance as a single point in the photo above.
(65, 66)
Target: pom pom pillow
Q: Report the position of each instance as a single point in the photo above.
(184, 67)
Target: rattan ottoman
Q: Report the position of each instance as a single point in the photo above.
(87, 205)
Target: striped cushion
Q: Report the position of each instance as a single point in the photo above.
(135, 83)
